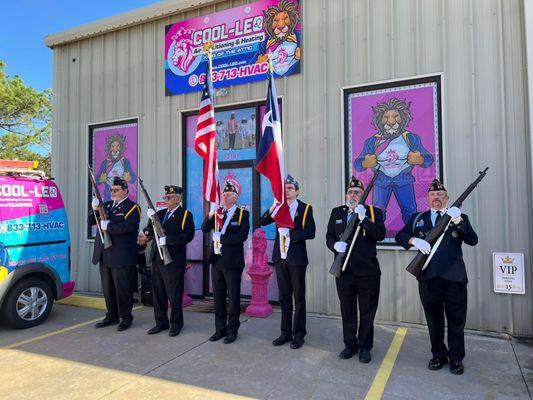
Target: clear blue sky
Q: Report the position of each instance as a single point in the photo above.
(25, 23)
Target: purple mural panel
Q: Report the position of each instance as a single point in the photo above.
(113, 151)
(396, 128)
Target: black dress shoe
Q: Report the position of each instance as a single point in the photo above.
(437, 363)
(282, 340)
(174, 331)
(156, 329)
(230, 338)
(347, 353)
(123, 325)
(297, 343)
(105, 322)
(217, 336)
(457, 367)
(364, 356)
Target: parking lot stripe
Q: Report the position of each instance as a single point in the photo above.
(53, 333)
(382, 376)
(84, 301)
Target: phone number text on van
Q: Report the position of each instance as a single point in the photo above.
(32, 226)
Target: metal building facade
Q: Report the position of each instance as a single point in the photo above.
(113, 69)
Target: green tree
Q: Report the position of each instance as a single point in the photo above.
(25, 121)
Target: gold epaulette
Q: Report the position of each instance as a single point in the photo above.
(135, 206)
(305, 215)
(184, 219)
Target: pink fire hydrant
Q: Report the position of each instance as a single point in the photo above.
(260, 274)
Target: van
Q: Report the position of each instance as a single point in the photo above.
(34, 245)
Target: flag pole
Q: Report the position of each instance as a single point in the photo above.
(208, 48)
(283, 239)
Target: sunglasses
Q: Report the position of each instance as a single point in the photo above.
(169, 197)
(116, 190)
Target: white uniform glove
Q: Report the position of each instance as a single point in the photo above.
(216, 236)
(162, 241)
(95, 203)
(455, 215)
(423, 246)
(213, 207)
(340, 247)
(103, 225)
(361, 211)
(284, 231)
(150, 212)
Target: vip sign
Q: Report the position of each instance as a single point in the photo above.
(160, 205)
(508, 273)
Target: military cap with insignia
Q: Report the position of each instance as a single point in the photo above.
(229, 187)
(436, 185)
(355, 183)
(291, 181)
(118, 181)
(172, 189)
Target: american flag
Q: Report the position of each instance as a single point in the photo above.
(205, 141)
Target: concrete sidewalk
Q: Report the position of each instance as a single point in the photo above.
(66, 358)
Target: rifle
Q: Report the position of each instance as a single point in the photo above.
(341, 261)
(435, 235)
(158, 228)
(104, 236)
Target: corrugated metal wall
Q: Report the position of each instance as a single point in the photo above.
(477, 44)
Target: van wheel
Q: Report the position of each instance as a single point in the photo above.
(28, 303)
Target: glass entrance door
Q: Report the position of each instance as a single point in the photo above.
(238, 132)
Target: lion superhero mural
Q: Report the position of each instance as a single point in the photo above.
(282, 41)
(115, 164)
(397, 151)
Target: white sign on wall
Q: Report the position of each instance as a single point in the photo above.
(508, 273)
(159, 205)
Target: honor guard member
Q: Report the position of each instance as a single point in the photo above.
(290, 259)
(231, 227)
(359, 283)
(442, 284)
(168, 280)
(117, 263)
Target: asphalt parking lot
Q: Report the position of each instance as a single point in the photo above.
(66, 358)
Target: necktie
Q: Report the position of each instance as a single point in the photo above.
(167, 215)
(114, 208)
(438, 218)
(350, 216)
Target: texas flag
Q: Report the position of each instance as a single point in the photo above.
(270, 157)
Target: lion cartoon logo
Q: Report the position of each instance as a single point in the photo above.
(282, 42)
(397, 151)
(183, 56)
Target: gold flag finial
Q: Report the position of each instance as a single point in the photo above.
(208, 47)
(270, 64)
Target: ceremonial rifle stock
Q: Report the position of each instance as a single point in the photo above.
(104, 236)
(418, 263)
(158, 227)
(339, 262)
